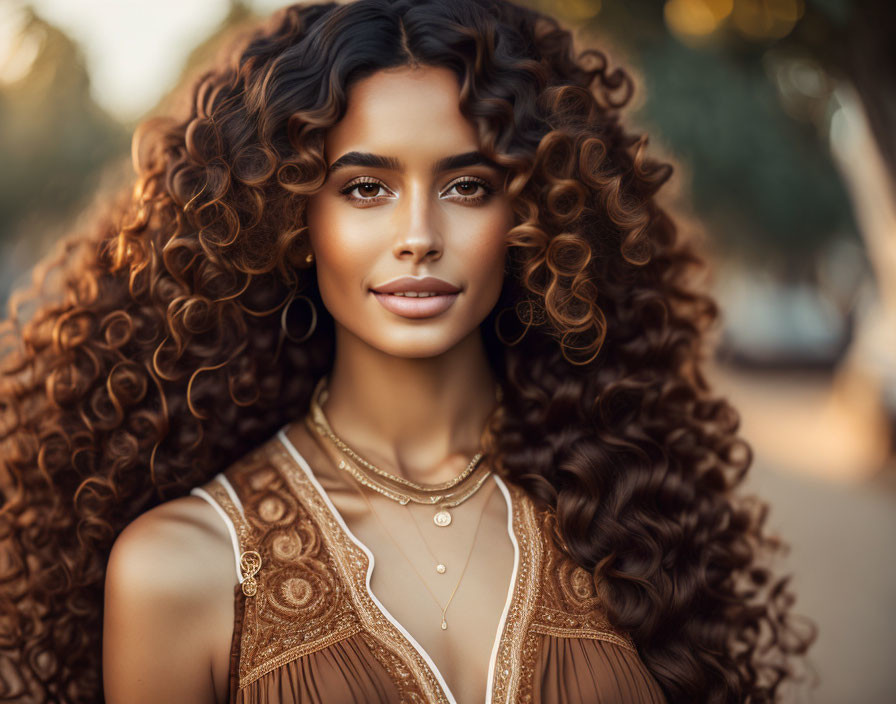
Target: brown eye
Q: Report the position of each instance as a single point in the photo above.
(368, 189)
(466, 188)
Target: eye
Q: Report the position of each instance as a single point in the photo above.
(467, 189)
(367, 188)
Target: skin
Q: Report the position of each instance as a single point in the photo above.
(410, 395)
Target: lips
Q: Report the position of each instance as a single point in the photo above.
(416, 307)
(426, 284)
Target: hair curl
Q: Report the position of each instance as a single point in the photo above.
(161, 358)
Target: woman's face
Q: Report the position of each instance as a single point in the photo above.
(395, 205)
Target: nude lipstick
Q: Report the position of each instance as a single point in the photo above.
(412, 297)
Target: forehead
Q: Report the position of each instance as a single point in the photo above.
(404, 112)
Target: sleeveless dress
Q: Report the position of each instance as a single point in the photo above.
(311, 629)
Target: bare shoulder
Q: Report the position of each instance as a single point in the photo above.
(168, 611)
(180, 547)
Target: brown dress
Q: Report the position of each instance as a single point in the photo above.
(314, 632)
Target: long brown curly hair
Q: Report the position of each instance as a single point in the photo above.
(153, 356)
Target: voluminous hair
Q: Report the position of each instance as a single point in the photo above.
(157, 358)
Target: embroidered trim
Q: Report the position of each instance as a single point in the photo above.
(312, 575)
(513, 664)
(609, 636)
(217, 491)
(352, 564)
(299, 605)
(250, 563)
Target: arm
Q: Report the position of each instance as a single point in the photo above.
(168, 585)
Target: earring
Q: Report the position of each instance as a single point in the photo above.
(498, 334)
(313, 319)
(309, 258)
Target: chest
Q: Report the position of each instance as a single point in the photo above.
(328, 580)
(469, 595)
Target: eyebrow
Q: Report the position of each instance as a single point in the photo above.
(377, 161)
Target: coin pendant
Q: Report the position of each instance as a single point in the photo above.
(442, 518)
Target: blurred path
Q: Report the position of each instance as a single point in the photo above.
(841, 555)
(840, 526)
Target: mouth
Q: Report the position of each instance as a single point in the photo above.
(414, 304)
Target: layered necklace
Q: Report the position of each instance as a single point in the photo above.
(443, 496)
(385, 483)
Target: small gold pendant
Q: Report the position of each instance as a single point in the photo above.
(444, 625)
(442, 518)
(440, 568)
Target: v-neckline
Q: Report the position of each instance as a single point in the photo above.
(520, 591)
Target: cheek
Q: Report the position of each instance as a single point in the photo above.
(485, 254)
(343, 250)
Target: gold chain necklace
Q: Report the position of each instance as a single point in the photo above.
(444, 609)
(319, 397)
(441, 518)
(440, 568)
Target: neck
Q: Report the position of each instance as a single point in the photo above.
(419, 418)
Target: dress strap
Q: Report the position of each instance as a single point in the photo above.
(219, 492)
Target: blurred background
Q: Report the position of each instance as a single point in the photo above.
(780, 116)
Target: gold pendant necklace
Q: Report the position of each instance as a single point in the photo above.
(441, 518)
(440, 567)
(317, 421)
(319, 397)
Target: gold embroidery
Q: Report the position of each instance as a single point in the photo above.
(570, 606)
(514, 661)
(250, 563)
(311, 589)
(300, 604)
(412, 676)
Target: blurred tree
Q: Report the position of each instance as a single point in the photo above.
(853, 41)
(713, 81)
(240, 17)
(54, 139)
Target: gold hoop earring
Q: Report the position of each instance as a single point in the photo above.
(498, 334)
(313, 318)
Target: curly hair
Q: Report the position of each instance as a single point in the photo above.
(157, 357)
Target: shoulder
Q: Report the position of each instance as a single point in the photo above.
(168, 605)
(178, 547)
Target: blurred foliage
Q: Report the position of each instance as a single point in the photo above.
(54, 139)
(756, 170)
(715, 89)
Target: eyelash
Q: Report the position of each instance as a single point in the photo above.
(352, 185)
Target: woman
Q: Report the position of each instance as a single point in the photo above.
(241, 391)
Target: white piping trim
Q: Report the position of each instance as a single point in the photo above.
(228, 487)
(510, 590)
(370, 564)
(202, 493)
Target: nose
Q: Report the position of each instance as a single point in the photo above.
(418, 237)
